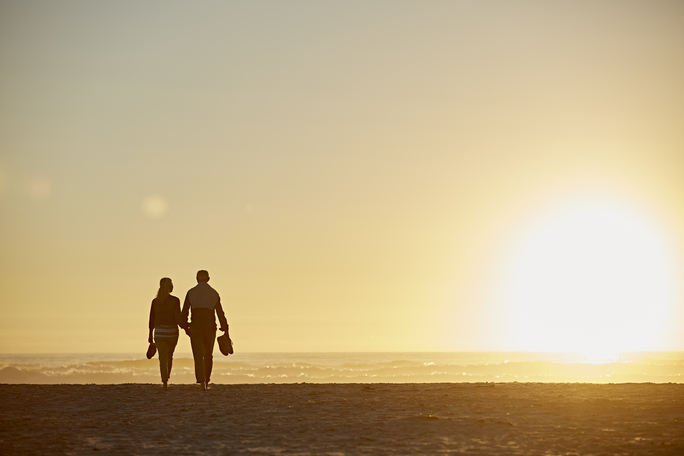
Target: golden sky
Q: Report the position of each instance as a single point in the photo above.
(356, 176)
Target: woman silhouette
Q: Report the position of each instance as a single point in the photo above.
(165, 316)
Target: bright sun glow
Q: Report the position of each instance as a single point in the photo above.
(595, 277)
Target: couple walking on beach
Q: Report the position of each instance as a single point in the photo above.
(166, 316)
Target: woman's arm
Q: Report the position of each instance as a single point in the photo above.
(151, 324)
(185, 312)
(180, 321)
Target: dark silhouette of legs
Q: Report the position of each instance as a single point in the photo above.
(202, 343)
(165, 347)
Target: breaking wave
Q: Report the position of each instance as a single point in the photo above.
(661, 367)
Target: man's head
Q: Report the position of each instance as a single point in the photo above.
(202, 276)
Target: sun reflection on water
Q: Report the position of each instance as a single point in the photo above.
(599, 357)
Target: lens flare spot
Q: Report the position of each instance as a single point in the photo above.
(39, 188)
(155, 206)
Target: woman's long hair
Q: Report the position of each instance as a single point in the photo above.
(165, 287)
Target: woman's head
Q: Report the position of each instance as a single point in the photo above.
(165, 287)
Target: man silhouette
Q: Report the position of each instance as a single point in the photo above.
(205, 304)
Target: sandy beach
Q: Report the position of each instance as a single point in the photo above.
(466, 418)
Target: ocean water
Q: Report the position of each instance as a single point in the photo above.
(655, 367)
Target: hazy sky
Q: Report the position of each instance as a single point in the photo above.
(356, 176)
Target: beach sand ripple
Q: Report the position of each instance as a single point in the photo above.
(336, 419)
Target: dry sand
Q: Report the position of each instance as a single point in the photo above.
(469, 418)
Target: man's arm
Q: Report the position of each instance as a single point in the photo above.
(221, 316)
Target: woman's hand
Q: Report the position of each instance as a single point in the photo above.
(149, 338)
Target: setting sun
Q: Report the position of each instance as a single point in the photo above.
(592, 276)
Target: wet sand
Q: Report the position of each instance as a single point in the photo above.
(452, 418)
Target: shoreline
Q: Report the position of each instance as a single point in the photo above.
(400, 367)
